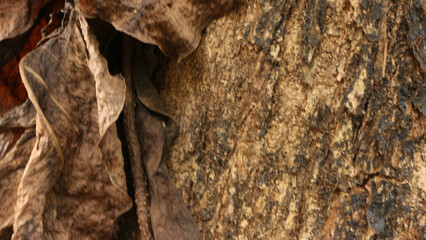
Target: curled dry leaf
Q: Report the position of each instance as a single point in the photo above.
(166, 205)
(156, 129)
(13, 49)
(17, 138)
(18, 16)
(110, 90)
(174, 26)
(17, 123)
(61, 164)
(73, 186)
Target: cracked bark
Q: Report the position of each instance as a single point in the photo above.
(303, 120)
(296, 120)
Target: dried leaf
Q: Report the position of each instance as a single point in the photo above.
(174, 26)
(74, 184)
(170, 218)
(156, 129)
(18, 16)
(12, 50)
(22, 116)
(17, 138)
(14, 155)
(145, 62)
(110, 90)
(66, 180)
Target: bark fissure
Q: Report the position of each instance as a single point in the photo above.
(233, 163)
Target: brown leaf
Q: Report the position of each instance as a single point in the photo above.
(170, 218)
(74, 185)
(17, 138)
(12, 50)
(145, 62)
(174, 26)
(18, 16)
(110, 90)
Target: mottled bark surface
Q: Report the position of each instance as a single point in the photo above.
(295, 120)
(304, 120)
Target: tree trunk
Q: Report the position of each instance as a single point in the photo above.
(295, 119)
(303, 120)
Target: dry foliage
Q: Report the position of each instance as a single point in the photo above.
(62, 170)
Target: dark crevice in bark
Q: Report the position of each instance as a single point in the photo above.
(358, 125)
(368, 178)
(229, 155)
(301, 218)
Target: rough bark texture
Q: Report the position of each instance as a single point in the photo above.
(304, 120)
(296, 120)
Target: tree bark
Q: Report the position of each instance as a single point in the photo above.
(295, 120)
(303, 120)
